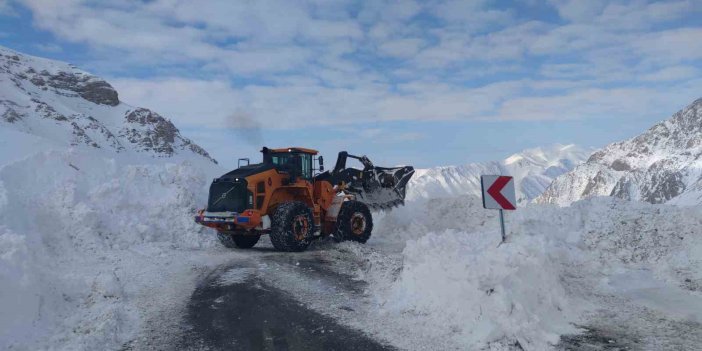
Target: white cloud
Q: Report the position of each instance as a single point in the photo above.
(671, 46)
(578, 10)
(284, 62)
(567, 70)
(265, 36)
(602, 103)
(567, 39)
(672, 74)
(6, 8)
(639, 14)
(188, 102)
(289, 106)
(49, 47)
(388, 11)
(402, 48)
(471, 14)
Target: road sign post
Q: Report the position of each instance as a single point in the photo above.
(499, 194)
(502, 225)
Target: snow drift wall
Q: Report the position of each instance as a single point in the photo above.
(68, 220)
(454, 280)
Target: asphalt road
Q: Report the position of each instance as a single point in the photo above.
(247, 313)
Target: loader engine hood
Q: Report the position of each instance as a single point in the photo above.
(229, 192)
(229, 195)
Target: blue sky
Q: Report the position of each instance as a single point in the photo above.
(406, 82)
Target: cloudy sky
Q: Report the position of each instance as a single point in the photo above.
(413, 82)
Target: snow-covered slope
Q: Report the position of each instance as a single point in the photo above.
(534, 169)
(96, 199)
(664, 164)
(69, 107)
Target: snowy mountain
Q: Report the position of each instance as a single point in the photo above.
(66, 106)
(533, 169)
(664, 164)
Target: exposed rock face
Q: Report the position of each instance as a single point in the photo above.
(88, 87)
(149, 131)
(62, 103)
(66, 81)
(661, 165)
(10, 115)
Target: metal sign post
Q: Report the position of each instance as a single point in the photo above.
(502, 225)
(499, 194)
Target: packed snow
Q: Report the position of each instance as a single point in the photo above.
(85, 236)
(557, 271)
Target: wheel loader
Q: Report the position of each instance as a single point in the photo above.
(285, 197)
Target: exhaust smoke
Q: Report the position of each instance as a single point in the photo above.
(246, 128)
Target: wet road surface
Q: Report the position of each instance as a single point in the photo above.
(244, 312)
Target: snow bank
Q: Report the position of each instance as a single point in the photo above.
(469, 289)
(456, 283)
(81, 232)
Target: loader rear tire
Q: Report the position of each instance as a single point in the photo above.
(292, 227)
(237, 241)
(354, 222)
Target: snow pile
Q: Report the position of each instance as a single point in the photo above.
(82, 234)
(469, 289)
(550, 276)
(533, 169)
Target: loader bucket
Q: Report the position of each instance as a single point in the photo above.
(382, 188)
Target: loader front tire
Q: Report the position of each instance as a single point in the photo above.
(245, 241)
(292, 227)
(354, 222)
(226, 240)
(237, 241)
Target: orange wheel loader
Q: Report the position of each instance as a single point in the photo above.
(285, 197)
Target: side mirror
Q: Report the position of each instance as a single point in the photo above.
(320, 159)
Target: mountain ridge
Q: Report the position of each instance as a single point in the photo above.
(533, 169)
(59, 102)
(663, 164)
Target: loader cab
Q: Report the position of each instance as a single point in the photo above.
(296, 161)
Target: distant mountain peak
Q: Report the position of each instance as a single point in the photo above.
(533, 169)
(662, 164)
(545, 154)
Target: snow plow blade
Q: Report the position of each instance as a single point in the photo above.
(380, 188)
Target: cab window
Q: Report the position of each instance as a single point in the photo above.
(306, 166)
(285, 160)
